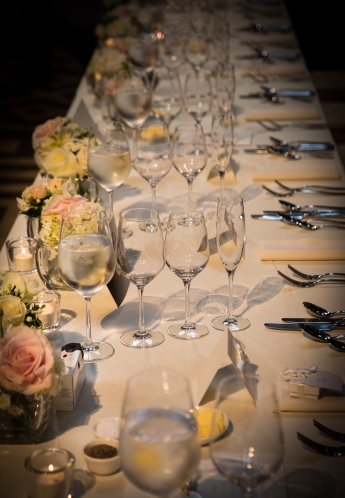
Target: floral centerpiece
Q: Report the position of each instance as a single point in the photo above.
(61, 147)
(34, 197)
(30, 370)
(119, 22)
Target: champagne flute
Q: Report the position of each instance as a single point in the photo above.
(187, 253)
(197, 94)
(230, 237)
(166, 95)
(140, 258)
(158, 442)
(252, 450)
(225, 85)
(86, 261)
(109, 161)
(189, 153)
(152, 153)
(222, 141)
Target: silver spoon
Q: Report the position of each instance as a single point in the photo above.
(295, 207)
(322, 336)
(309, 226)
(317, 310)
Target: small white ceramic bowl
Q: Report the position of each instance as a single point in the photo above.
(102, 466)
(107, 428)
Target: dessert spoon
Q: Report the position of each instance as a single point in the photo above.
(317, 310)
(321, 336)
(296, 207)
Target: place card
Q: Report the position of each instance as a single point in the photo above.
(242, 364)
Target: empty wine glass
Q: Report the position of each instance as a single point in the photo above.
(109, 160)
(86, 261)
(132, 98)
(166, 96)
(143, 53)
(171, 48)
(196, 49)
(252, 449)
(152, 153)
(222, 142)
(187, 253)
(230, 237)
(140, 258)
(225, 85)
(189, 153)
(197, 94)
(158, 440)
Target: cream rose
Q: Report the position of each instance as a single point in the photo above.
(27, 361)
(13, 309)
(38, 191)
(46, 130)
(61, 162)
(82, 157)
(58, 205)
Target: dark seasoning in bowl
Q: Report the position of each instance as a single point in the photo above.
(101, 451)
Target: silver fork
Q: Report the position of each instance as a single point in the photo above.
(314, 277)
(311, 283)
(291, 192)
(309, 188)
(339, 436)
(322, 448)
(271, 125)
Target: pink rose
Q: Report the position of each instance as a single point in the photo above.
(26, 361)
(47, 128)
(38, 191)
(58, 205)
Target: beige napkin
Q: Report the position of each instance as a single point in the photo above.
(302, 249)
(280, 68)
(268, 167)
(330, 401)
(291, 110)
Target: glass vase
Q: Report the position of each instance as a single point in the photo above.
(32, 226)
(47, 267)
(23, 419)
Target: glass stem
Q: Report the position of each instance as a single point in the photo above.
(111, 200)
(187, 322)
(154, 203)
(231, 281)
(190, 194)
(221, 176)
(141, 330)
(88, 341)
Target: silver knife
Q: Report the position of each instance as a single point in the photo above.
(299, 216)
(294, 326)
(316, 321)
(279, 93)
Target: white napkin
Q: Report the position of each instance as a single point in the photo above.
(268, 167)
(302, 249)
(330, 401)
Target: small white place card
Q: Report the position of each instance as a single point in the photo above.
(242, 364)
(308, 383)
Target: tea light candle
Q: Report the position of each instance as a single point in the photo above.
(50, 485)
(47, 316)
(24, 261)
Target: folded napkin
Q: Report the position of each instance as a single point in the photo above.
(280, 68)
(269, 167)
(302, 249)
(291, 110)
(329, 401)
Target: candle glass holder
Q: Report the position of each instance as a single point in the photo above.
(50, 472)
(50, 313)
(21, 254)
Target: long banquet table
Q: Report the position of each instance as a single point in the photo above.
(259, 293)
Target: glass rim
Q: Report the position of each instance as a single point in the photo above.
(69, 463)
(178, 213)
(31, 242)
(151, 213)
(107, 125)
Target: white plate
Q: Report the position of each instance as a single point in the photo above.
(207, 440)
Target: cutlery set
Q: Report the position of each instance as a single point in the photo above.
(325, 449)
(270, 125)
(274, 95)
(271, 57)
(296, 149)
(266, 28)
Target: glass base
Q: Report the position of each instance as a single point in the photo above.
(153, 338)
(96, 350)
(237, 323)
(180, 331)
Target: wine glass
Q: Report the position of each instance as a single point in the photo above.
(189, 153)
(187, 253)
(225, 85)
(132, 98)
(109, 160)
(252, 449)
(140, 258)
(152, 153)
(166, 96)
(222, 142)
(197, 94)
(171, 50)
(158, 441)
(143, 53)
(196, 49)
(230, 237)
(86, 261)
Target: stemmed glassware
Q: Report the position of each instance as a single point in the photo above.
(109, 160)
(143, 53)
(222, 141)
(140, 258)
(158, 441)
(187, 253)
(225, 85)
(152, 153)
(189, 152)
(230, 237)
(197, 94)
(166, 96)
(252, 451)
(86, 261)
(196, 49)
